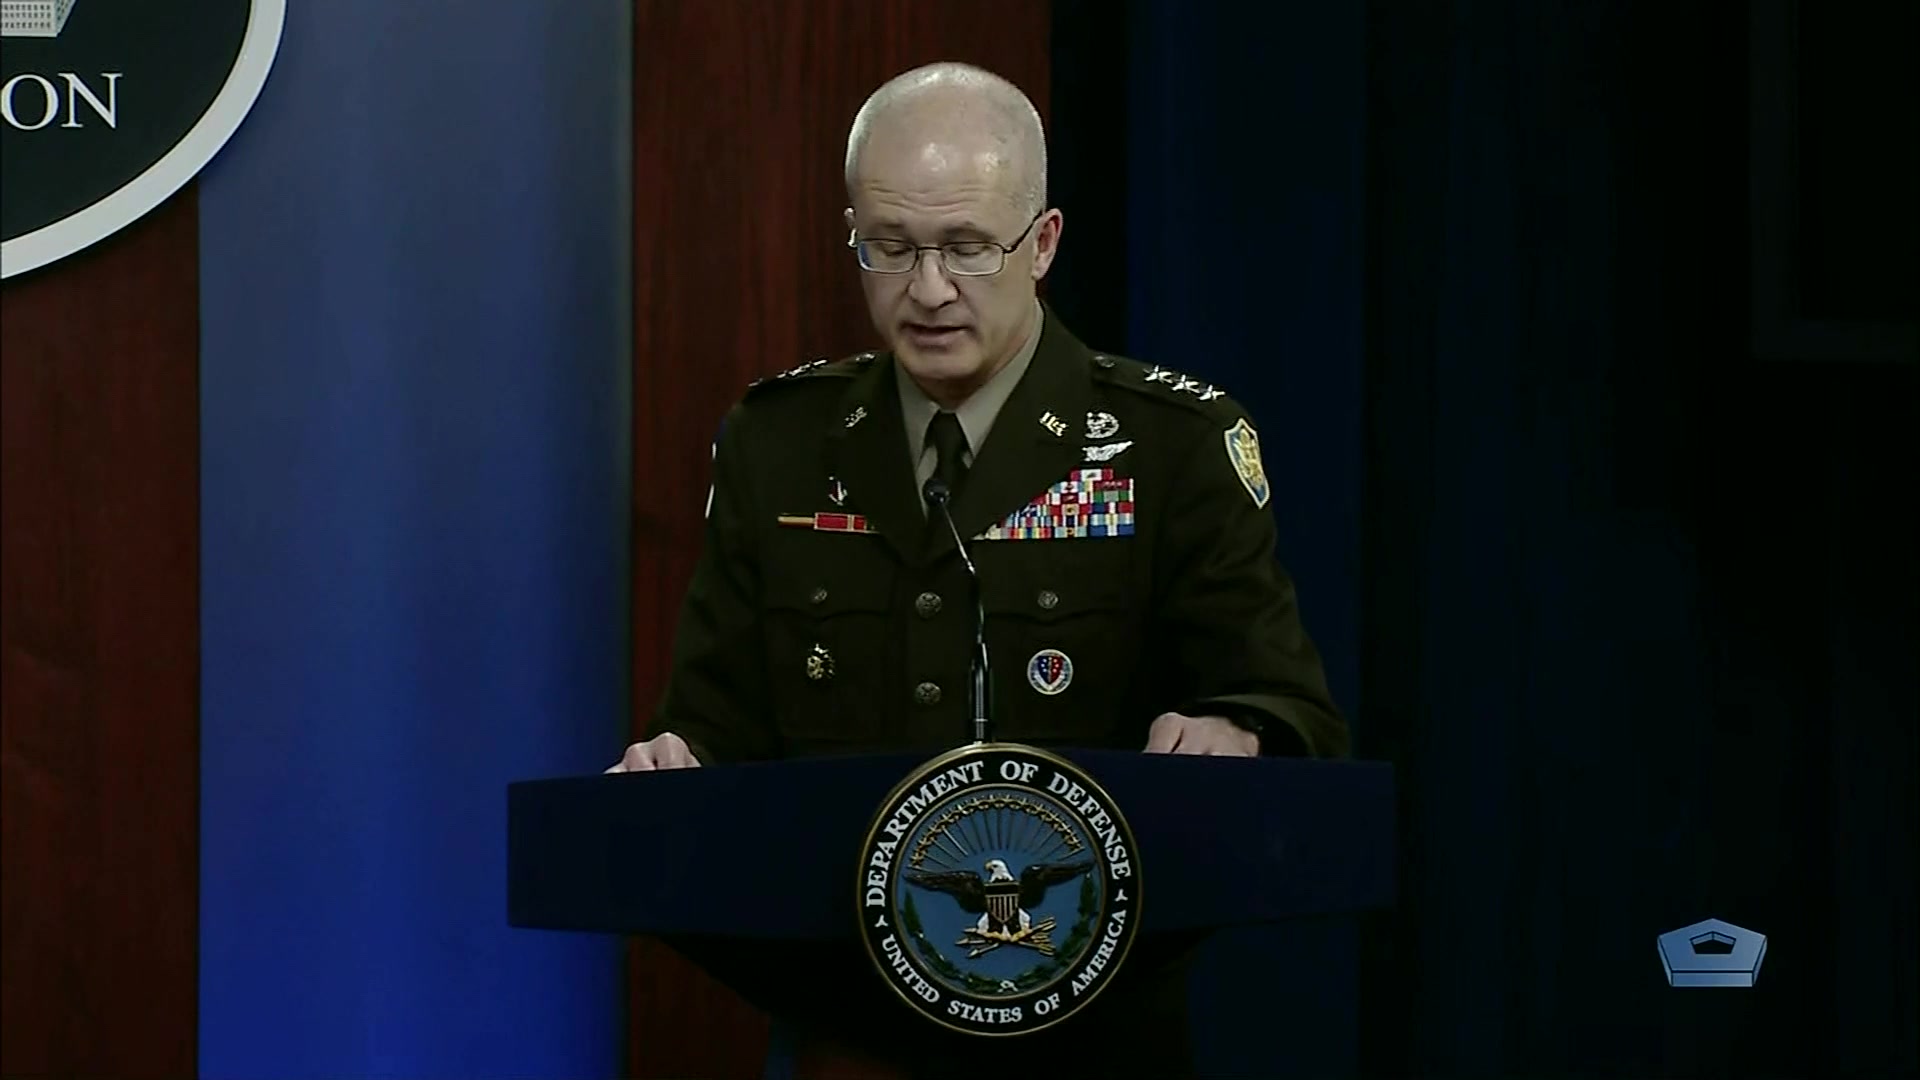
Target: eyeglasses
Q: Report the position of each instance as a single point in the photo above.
(961, 258)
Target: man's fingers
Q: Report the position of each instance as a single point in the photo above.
(668, 751)
(672, 752)
(1195, 743)
(1204, 736)
(1164, 736)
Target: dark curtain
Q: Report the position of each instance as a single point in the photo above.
(1209, 161)
(1640, 609)
(1635, 614)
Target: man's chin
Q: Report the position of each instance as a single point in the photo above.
(937, 365)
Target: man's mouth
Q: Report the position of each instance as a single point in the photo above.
(933, 334)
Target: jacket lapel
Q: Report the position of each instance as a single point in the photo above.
(1036, 441)
(1036, 438)
(867, 451)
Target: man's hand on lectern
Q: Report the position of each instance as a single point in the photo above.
(666, 751)
(1218, 736)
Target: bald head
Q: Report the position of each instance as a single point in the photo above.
(956, 116)
(951, 160)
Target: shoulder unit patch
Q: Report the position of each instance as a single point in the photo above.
(1243, 451)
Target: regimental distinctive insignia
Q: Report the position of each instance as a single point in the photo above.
(1107, 451)
(1054, 424)
(1102, 425)
(1243, 450)
(1088, 503)
(999, 890)
(836, 491)
(1050, 671)
(825, 522)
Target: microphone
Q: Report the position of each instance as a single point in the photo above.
(938, 497)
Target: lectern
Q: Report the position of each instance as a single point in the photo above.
(750, 869)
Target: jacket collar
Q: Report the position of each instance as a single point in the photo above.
(1035, 442)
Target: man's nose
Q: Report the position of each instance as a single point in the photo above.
(930, 286)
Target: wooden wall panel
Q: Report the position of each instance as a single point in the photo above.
(741, 269)
(99, 657)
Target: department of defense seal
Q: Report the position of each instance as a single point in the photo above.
(999, 889)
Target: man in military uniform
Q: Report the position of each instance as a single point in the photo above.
(1117, 512)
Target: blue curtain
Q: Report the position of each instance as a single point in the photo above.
(415, 415)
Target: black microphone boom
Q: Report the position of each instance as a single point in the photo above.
(938, 497)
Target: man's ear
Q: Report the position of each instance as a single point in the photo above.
(1046, 241)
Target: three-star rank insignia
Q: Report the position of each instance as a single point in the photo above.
(1184, 384)
(1243, 451)
(802, 369)
(998, 889)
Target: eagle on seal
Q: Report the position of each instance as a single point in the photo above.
(975, 893)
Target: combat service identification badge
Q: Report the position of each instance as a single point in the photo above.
(999, 889)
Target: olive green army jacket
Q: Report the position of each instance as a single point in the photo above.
(1118, 518)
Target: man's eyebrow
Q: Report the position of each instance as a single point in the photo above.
(889, 228)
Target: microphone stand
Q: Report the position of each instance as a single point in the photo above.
(938, 497)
